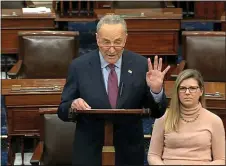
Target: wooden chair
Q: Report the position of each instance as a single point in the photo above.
(56, 140)
(45, 54)
(205, 52)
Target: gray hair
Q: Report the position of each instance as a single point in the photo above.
(111, 19)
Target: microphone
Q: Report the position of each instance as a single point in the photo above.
(121, 89)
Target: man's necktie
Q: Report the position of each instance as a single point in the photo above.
(112, 86)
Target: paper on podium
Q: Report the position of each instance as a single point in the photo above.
(38, 10)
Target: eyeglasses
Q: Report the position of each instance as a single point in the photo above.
(191, 89)
(115, 46)
(118, 44)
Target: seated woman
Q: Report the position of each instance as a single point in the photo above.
(188, 134)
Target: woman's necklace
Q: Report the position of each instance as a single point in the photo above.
(192, 120)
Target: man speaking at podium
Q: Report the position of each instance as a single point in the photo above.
(112, 77)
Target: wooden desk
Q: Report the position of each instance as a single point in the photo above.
(11, 24)
(150, 31)
(22, 107)
(214, 104)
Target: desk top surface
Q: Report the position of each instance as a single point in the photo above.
(17, 14)
(143, 13)
(32, 86)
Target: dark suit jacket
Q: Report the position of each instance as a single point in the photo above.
(85, 80)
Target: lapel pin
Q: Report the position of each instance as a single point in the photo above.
(130, 71)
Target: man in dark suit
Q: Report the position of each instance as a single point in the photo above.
(112, 77)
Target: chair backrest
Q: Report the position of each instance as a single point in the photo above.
(16, 4)
(205, 51)
(13, 4)
(47, 54)
(58, 140)
(137, 4)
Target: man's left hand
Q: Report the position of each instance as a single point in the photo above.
(155, 76)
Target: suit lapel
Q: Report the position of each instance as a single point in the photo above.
(97, 79)
(126, 79)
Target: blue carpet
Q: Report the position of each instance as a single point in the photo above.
(197, 26)
(147, 129)
(4, 158)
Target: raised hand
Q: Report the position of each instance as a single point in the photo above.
(155, 75)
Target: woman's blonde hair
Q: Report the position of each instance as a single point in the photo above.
(173, 113)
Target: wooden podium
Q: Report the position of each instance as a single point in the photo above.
(108, 150)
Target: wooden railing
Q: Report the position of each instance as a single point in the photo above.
(78, 8)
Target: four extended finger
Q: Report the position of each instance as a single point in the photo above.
(166, 70)
(160, 64)
(149, 65)
(156, 63)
